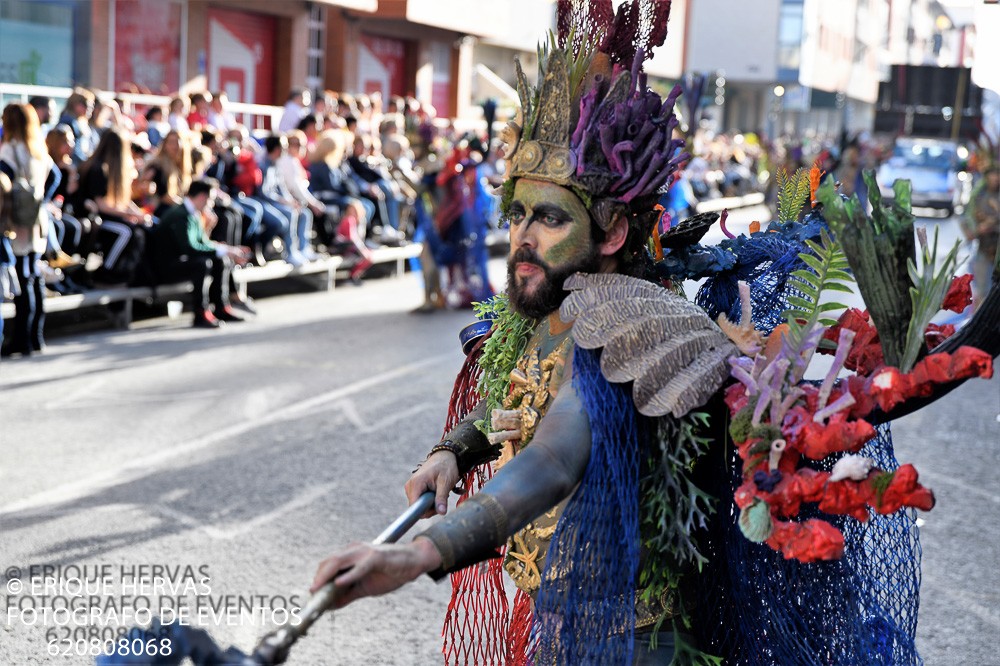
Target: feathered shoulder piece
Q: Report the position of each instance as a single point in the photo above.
(672, 351)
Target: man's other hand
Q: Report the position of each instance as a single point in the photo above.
(438, 473)
(364, 570)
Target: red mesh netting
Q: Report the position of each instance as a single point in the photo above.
(475, 627)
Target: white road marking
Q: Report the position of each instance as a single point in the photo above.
(139, 467)
(350, 412)
(965, 601)
(229, 532)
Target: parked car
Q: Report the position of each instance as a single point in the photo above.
(935, 169)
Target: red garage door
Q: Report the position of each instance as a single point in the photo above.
(241, 55)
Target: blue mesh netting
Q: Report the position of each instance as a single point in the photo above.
(585, 613)
(764, 610)
(755, 607)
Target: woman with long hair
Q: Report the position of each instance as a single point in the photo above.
(170, 170)
(26, 164)
(106, 190)
(329, 183)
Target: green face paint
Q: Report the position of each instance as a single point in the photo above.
(552, 219)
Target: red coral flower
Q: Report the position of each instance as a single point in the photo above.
(847, 497)
(866, 350)
(959, 294)
(812, 541)
(818, 440)
(904, 490)
(736, 397)
(935, 334)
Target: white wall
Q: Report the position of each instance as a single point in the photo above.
(738, 36)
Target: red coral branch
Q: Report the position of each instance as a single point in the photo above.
(959, 294)
(812, 541)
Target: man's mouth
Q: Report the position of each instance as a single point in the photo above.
(525, 269)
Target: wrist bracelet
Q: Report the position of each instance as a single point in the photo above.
(446, 445)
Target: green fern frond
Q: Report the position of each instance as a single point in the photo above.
(792, 193)
(927, 293)
(828, 271)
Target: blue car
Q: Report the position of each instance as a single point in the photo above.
(934, 168)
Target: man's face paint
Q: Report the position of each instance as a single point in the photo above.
(550, 239)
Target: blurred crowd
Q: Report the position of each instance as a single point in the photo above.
(340, 174)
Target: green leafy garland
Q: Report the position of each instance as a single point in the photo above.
(673, 508)
(501, 351)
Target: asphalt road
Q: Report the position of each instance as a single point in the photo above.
(251, 453)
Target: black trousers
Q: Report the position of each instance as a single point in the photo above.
(27, 334)
(198, 270)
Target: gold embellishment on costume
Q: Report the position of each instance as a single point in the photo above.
(544, 161)
(532, 391)
(649, 613)
(527, 572)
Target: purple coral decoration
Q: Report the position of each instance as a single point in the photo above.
(634, 136)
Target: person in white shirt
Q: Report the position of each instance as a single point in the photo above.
(295, 178)
(177, 118)
(297, 106)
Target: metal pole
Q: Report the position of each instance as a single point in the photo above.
(273, 648)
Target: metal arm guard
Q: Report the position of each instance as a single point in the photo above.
(472, 533)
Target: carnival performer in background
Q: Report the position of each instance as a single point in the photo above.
(581, 421)
(453, 218)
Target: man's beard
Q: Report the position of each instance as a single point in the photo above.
(549, 294)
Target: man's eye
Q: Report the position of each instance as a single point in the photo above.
(516, 216)
(551, 221)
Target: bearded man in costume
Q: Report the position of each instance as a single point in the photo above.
(577, 420)
(588, 162)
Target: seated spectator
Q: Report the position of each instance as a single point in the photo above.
(170, 171)
(311, 126)
(23, 156)
(76, 115)
(73, 234)
(296, 107)
(177, 115)
(273, 193)
(377, 186)
(223, 168)
(106, 189)
(46, 110)
(399, 161)
(295, 179)
(219, 116)
(197, 119)
(156, 126)
(179, 250)
(330, 184)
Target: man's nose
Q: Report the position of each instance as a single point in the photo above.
(523, 235)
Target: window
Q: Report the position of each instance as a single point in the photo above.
(316, 51)
(790, 37)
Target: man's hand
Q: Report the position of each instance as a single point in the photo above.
(438, 473)
(364, 570)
